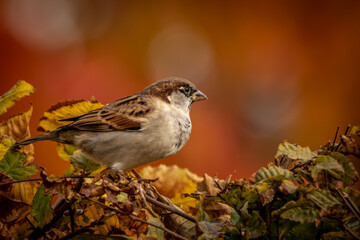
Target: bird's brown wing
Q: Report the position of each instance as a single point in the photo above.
(125, 114)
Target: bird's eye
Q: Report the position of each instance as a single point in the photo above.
(186, 90)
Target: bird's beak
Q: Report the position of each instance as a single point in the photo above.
(198, 96)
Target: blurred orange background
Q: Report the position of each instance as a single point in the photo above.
(272, 70)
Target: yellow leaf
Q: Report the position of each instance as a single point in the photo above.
(17, 127)
(65, 151)
(67, 109)
(21, 89)
(22, 192)
(5, 144)
(174, 182)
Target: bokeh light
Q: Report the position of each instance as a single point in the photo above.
(272, 70)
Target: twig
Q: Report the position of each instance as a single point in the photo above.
(59, 211)
(346, 131)
(138, 219)
(85, 229)
(39, 179)
(72, 220)
(348, 204)
(336, 133)
(298, 166)
(169, 208)
(350, 232)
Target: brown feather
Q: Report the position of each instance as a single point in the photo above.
(122, 115)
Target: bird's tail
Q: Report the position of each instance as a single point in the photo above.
(46, 136)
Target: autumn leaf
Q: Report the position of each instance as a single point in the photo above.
(302, 211)
(173, 182)
(12, 165)
(153, 231)
(16, 200)
(350, 174)
(273, 172)
(17, 127)
(67, 109)
(22, 192)
(19, 90)
(328, 164)
(41, 209)
(65, 151)
(295, 152)
(323, 198)
(5, 144)
(355, 130)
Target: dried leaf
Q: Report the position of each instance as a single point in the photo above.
(355, 130)
(350, 146)
(328, 164)
(19, 90)
(288, 187)
(153, 231)
(54, 185)
(174, 182)
(17, 127)
(266, 193)
(295, 152)
(22, 192)
(210, 230)
(350, 174)
(272, 172)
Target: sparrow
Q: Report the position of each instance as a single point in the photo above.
(135, 130)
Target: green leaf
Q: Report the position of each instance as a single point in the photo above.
(298, 231)
(235, 217)
(252, 224)
(12, 166)
(323, 199)
(294, 151)
(350, 174)
(272, 173)
(329, 165)
(19, 90)
(236, 195)
(41, 209)
(301, 211)
(79, 161)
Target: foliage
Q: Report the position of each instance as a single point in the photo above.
(304, 194)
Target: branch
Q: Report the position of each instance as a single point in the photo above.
(39, 179)
(348, 204)
(138, 219)
(169, 208)
(86, 228)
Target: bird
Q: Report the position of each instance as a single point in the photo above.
(135, 130)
